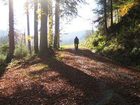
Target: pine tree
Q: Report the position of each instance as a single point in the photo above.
(43, 30)
(57, 19)
(28, 27)
(11, 33)
(36, 26)
(50, 35)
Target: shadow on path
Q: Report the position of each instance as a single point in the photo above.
(117, 87)
(96, 92)
(2, 69)
(88, 84)
(89, 54)
(37, 95)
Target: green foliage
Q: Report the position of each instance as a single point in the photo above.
(89, 41)
(3, 52)
(123, 46)
(123, 41)
(21, 52)
(95, 42)
(2, 58)
(4, 49)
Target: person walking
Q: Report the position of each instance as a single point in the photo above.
(76, 42)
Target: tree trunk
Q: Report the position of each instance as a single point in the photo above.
(43, 33)
(57, 19)
(11, 33)
(111, 10)
(50, 37)
(36, 26)
(28, 28)
(105, 17)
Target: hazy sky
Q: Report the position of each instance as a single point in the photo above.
(84, 20)
(18, 12)
(4, 17)
(77, 24)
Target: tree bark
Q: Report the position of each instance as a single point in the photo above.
(28, 28)
(36, 26)
(111, 10)
(57, 24)
(105, 17)
(11, 33)
(50, 37)
(43, 30)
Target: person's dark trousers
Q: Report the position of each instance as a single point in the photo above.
(76, 46)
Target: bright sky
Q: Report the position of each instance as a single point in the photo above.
(4, 17)
(77, 24)
(18, 12)
(85, 18)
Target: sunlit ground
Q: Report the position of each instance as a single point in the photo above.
(71, 46)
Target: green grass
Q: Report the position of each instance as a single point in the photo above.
(71, 46)
(67, 46)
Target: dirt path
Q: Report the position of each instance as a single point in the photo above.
(73, 78)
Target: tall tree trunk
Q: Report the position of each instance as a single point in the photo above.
(11, 33)
(57, 19)
(43, 33)
(105, 17)
(111, 10)
(50, 37)
(36, 26)
(28, 28)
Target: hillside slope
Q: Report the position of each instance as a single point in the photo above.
(123, 40)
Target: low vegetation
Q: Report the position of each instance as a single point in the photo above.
(3, 52)
(21, 52)
(122, 41)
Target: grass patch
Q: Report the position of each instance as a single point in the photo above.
(38, 70)
(40, 66)
(71, 46)
(67, 46)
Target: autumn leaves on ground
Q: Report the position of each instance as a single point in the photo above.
(71, 78)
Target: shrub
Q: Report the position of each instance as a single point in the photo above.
(95, 42)
(21, 52)
(123, 41)
(2, 58)
(88, 42)
(4, 49)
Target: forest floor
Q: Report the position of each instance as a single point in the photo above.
(71, 78)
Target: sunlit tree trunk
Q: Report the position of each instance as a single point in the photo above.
(28, 27)
(50, 36)
(57, 19)
(11, 33)
(36, 26)
(43, 30)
